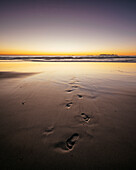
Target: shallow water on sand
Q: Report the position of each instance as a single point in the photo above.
(67, 115)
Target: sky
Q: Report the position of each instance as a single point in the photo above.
(76, 27)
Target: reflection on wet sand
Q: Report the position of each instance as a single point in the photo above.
(72, 115)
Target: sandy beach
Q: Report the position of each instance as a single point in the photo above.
(67, 115)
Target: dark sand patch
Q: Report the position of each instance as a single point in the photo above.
(8, 74)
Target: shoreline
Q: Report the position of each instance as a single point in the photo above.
(67, 61)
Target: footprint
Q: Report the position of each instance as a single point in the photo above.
(80, 96)
(69, 144)
(73, 82)
(49, 130)
(93, 97)
(69, 90)
(74, 86)
(85, 117)
(72, 140)
(68, 105)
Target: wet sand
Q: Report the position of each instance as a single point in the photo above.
(67, 115)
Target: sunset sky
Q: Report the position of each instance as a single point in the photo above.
(67, 27)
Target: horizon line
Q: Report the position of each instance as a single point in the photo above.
(68, 54)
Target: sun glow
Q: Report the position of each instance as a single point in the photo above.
(36, 53)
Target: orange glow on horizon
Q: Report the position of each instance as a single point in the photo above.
(67, 53)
